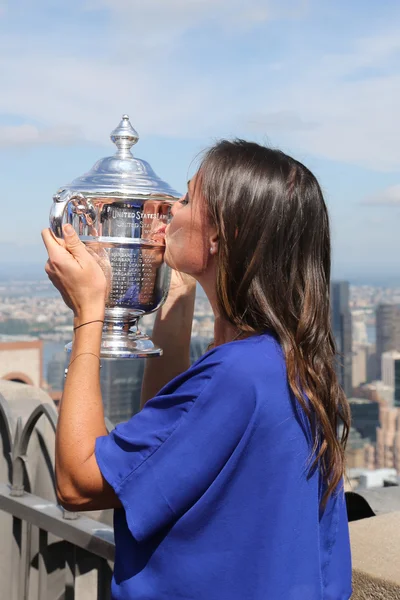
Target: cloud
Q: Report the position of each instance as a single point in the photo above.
(176, 16)
(388, 197)
(30, 135)
(176, 68)
(164, 25)
(279, 122)
(357, 116)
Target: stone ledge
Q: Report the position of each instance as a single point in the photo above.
(367, 587)
(375, 545)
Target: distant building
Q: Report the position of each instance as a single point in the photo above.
(56, 370)
(376, 391)
(372, 363)
(388, 438)
(370, 479)
(387, 331)
(121, 382)
(364, 364)
(21, 359)
(396, 402)
(365, 417)
(342, 331)
(359, 331)
(359, 365)
(358, 450)
(391, 373)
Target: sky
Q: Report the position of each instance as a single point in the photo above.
(318, 79)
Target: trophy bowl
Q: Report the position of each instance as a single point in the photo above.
(120, 210)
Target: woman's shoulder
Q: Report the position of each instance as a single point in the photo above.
(248, 372)
(243, 365)
(261, 351)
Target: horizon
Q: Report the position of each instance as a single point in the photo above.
(23, 271)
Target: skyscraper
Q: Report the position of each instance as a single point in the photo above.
(388, 438)
(391, 373)
(55, 372)
(364, 417)
(121, 382)
(396, 399)
(359, 365)
(341, 324)
(387, 331)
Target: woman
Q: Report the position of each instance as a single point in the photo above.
(228, 483)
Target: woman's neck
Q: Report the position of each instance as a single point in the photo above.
(223, 330)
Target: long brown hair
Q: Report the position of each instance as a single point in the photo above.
(274, 261)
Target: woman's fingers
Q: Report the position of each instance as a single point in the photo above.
(57, 252)
(71, 244)
(49, 240)
(74, 272)
(74, 245)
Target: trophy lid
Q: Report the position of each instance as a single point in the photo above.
(122, 174)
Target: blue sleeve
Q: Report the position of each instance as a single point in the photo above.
(336, 555)
(162, 460)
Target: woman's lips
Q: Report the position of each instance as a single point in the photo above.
(160, 229)
(158, 235)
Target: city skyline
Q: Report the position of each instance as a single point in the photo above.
(363, 320)
(40, 310)
(319, 81)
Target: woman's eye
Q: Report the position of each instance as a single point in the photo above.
(185, 200)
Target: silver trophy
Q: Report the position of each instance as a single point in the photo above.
(120, 210)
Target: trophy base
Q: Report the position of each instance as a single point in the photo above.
(130, 348)
(124, 340)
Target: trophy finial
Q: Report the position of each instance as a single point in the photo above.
(124, 136)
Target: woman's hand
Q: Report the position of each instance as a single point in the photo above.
(76, 273)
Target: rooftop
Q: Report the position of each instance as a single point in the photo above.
(17, 338)
(46, 552)
(361, 401)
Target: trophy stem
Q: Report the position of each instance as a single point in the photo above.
(122, 338)
(124, 325)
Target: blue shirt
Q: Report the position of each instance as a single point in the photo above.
(218, 504)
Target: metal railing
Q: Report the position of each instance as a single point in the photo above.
(79, 544)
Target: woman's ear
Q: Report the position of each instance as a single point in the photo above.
(214, 243)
